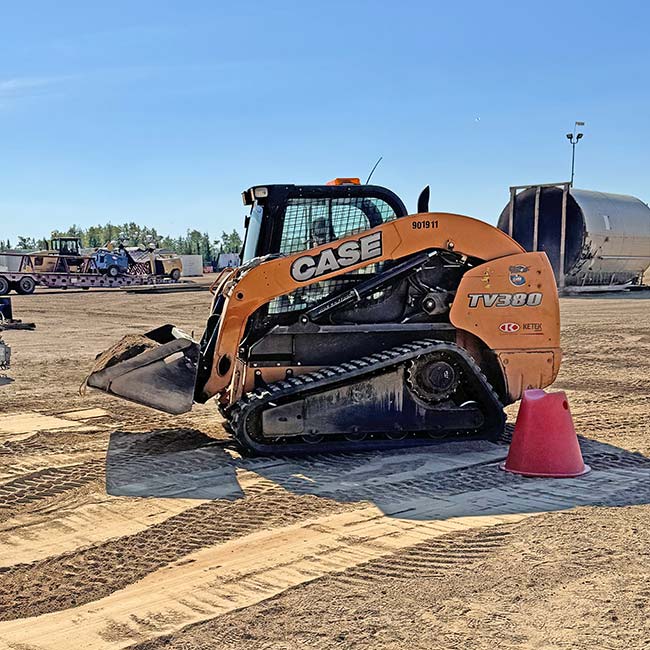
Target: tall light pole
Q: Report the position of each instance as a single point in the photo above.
(573, 138)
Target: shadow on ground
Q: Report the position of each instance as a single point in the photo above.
(449, 479)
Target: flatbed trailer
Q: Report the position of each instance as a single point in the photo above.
(87, 276)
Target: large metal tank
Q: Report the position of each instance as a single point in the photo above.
(606, 239)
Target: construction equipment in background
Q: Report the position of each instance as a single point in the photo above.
(66, 267)
(351, 324)
(112, 262)
(168, 263)
(61, 255)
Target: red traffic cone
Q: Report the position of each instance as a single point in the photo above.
(544, 442)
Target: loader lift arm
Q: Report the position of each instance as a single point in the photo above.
(399, 239)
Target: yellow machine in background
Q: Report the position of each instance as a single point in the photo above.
(62, 255)
(169, 264)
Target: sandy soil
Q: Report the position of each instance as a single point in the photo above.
(121, 527)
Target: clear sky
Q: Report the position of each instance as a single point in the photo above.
(162, 112)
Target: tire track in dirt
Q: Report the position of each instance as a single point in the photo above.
(452, 482)
(244, 571)
(180, 459)
(390, 478)
(235, 575)
(52, 443)
(434, 558)
(430, 559)
(46, 484)
(22, 466)
(92, 573)
(391, 487)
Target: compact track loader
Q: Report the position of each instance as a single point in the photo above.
(351, 324)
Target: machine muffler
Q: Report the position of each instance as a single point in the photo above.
(157, 369)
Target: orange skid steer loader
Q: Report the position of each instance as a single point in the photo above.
(351, 324)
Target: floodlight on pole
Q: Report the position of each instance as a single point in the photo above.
(573, 138)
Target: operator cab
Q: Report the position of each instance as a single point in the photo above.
(66, 245)
(288, 219)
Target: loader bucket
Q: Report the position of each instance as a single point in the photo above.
(157, 369)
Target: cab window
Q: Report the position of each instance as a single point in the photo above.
(312, 222)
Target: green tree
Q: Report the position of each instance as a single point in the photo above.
(206, 248)
(26, 243)
(229, 243)
(193, 242)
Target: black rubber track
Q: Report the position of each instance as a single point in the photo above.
(241, 412)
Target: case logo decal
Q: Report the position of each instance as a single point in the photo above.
(348, 253)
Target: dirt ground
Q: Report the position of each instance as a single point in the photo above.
(121, 527)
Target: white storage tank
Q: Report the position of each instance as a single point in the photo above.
(606, 238)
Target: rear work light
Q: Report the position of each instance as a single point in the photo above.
(344, 181)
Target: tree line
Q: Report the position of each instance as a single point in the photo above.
(193, 242)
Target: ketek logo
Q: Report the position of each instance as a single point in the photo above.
(509, 328)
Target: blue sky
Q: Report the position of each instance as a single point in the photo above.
(162, 112)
